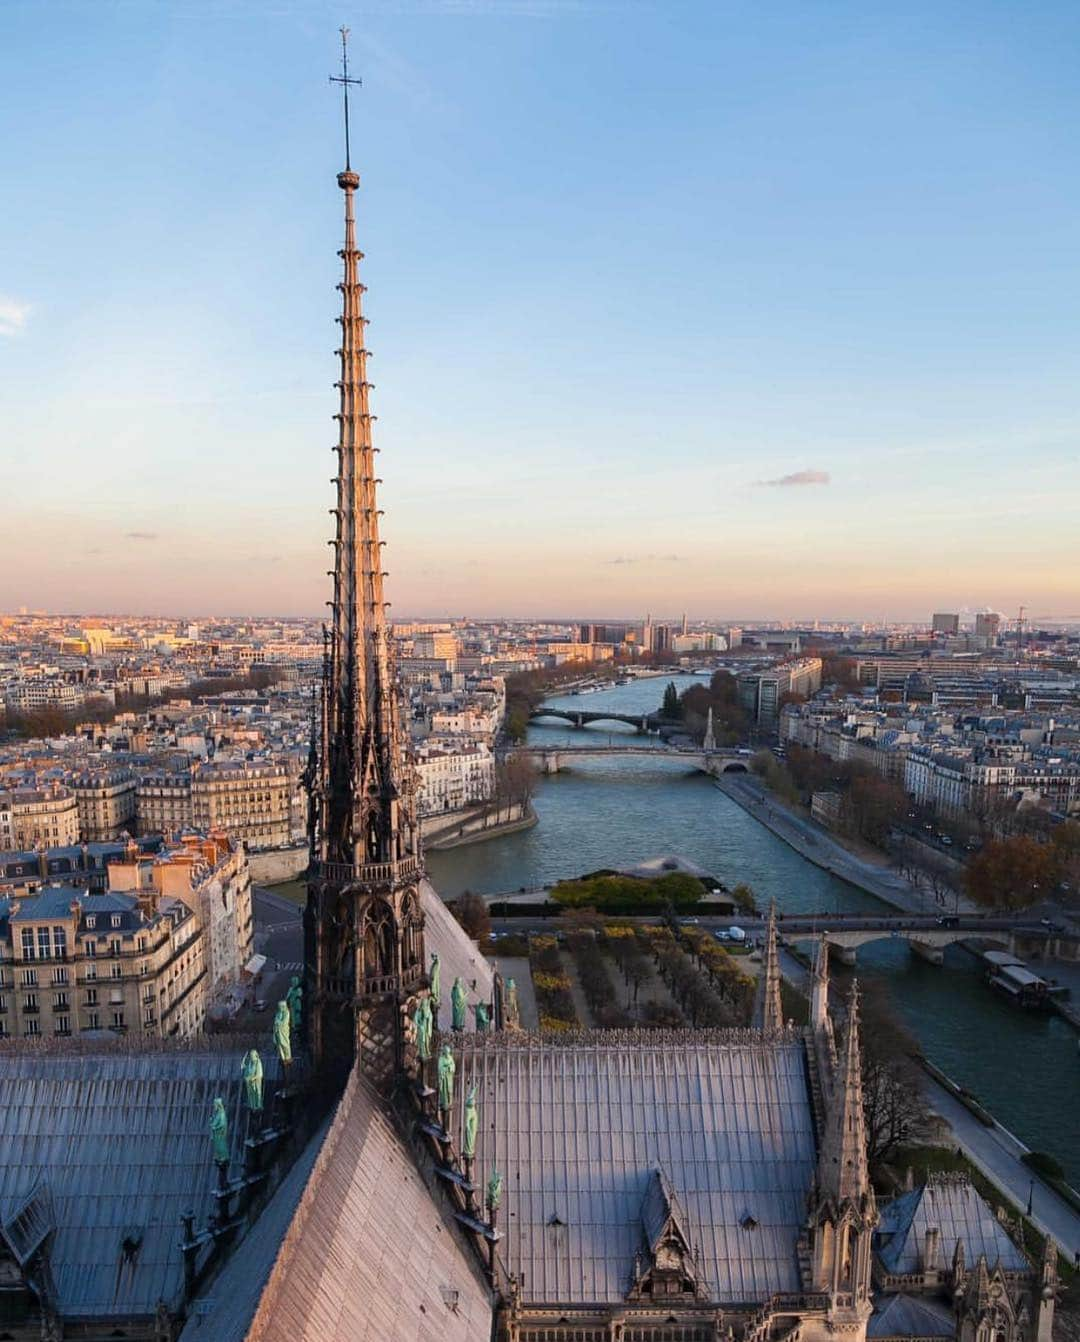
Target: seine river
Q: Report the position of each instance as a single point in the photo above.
(613, 813)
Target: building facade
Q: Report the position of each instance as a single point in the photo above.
(76, 963)
(106, 801)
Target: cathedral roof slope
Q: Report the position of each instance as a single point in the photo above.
(121, 1142)
(578, 1130)
(909, 1316)
(368, 1256)
(458, 955)
(951, 1205)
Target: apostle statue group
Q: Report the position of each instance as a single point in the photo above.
(287, 1019)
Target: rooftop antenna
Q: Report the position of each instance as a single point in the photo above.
(344, 80)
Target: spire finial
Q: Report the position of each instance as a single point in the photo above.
(344, 80)
(771, 1015)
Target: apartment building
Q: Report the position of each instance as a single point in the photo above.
(251, 801)
(106, 801)
(209, 872)
(73, 962)
(453, 774)
(163, 803)
(38, 817)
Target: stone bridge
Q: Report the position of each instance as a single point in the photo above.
(928, 935)
(551, 759)
(580, 717)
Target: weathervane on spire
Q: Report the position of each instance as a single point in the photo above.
(344, 80)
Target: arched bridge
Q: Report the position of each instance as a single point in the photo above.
(927, 934)
(580, 717)
(551, 759)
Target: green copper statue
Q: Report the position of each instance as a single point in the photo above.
(219, 1132)
(483, 1017)
(251, 1069)
(513, 1010)
(494, 1191)
(295, 997)
(447, 1068)
(457, 1003)
(472, 1122)
(282, 1042)
(435, 978)
(422, 1025)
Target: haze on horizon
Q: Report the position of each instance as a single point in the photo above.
(673, 307)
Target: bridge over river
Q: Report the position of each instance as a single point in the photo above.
(927, 935)
(551, 759)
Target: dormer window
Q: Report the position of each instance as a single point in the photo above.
(116, 920)
(91, 921)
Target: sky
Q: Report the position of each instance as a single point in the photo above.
(747, 309)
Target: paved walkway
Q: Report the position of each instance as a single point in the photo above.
(997, 1153)
(818, 846)
(577, 992)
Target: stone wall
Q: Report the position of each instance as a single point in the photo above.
(277, 864)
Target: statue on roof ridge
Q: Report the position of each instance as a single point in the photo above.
(219, 1132)
(483, 1017)
(295, 997)
(422, 1023)
(513, 1007)
(282, 1041)
(251, 1069)
(457, 1003)
(447, 1068)
(472, 1123)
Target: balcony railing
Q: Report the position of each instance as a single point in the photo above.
(367, 873)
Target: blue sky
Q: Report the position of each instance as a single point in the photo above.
(627, 263)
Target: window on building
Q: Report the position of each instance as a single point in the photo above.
(32, 1027)
(28, 943)
(116, 971)
(114, 948)
(60, 1002)
(3, 1005)
(91, 971)
(43, 943)
(62, 1025)
(90, 947)
(91, 997)
(91, 921)
(59, 937)
(148, 1018)
(29, 978)
(118, 1020)
(115, 921)
(93, 1020)
(30, 1002)
(60, 975)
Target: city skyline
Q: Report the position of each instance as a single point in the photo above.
(844, 419)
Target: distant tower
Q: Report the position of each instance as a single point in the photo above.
(685, 627)
(843, 1211)
(709, 742)
(770, 1015)
(363, 929)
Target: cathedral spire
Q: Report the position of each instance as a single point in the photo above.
(846, 1177)
(364, 931)
(771, 1011)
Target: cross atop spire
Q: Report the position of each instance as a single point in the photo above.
(344, 80)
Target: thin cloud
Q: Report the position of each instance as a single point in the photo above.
(799, 478)
(13, 315)
(646, 559)
(142, 535)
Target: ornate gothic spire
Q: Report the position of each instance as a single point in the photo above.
(819, 987)
(844, 1175)
(771, 1011)
(364, 931)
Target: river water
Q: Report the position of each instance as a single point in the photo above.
(613, 812)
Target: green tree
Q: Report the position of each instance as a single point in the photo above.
(671, 707)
